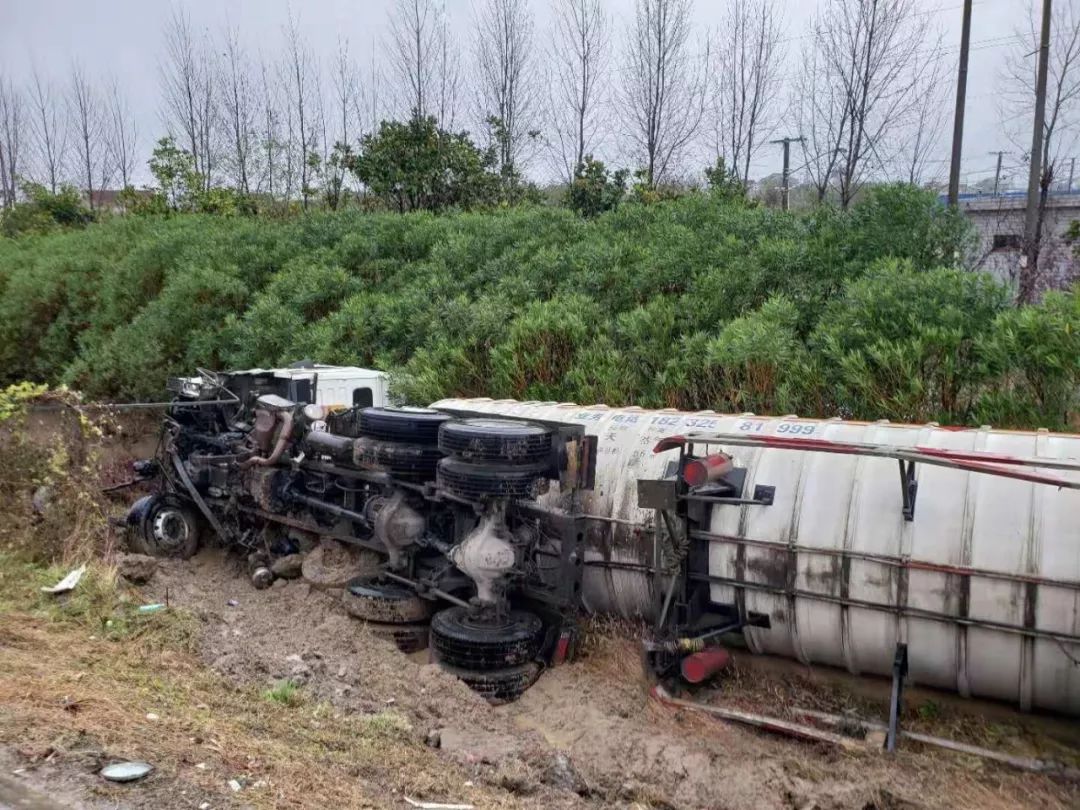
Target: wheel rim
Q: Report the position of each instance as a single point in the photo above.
(171, 529)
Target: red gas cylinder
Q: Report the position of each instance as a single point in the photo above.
(700, 666)
(702, 470)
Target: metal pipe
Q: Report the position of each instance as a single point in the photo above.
(1023, 763)
(299, 524)
(882, 559)
(326, 506)
(761, 721)
(898, 610)
(929, 456)
(284, 436)
(417, 586)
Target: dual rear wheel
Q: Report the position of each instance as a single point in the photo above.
(494, 655)
(392, 611)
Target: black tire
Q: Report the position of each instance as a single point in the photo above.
(369, 599)
(498, 686)
(164, 526)
(460, 640)
(414, 462)
(475, 481)
(409, 638)
(499, 440)
(415, 425)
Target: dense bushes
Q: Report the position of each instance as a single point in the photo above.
(694, 303)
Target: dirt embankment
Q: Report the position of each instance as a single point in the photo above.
(368, 725)
(586, 734)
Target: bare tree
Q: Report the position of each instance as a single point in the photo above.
(858, 84)
(121, 135)
(371, 99)
(11, 141)
(347, 109)
(187, 92)
(304, 110)
(664, 86)
(1061, 124)
(448, 76)
(347, 96)
(749, 53)
(580, 51)
(930, 115)
(238, 108)
(422, 60)
(507, 82)
(88, 121)
(269, 131)
(48, 133)
(822, 115)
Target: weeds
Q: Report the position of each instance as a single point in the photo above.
(286, 692)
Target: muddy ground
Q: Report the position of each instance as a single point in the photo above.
(585, 735)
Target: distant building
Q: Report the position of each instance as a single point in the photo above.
(1000, 223)
(108, 199)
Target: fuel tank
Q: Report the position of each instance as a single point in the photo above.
(982, 582)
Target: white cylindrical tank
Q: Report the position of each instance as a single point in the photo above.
(983, 584)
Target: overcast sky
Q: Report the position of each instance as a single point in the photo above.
(123, 38)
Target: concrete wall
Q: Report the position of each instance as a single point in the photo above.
(1003, 218)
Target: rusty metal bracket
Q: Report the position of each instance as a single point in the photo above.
(899, 674)
(909, 488)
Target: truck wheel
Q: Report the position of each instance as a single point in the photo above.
(499, 440)
(388, 602)
(498, 686)
(164, 526)
(408, 638)
(459, 639)
(415, 425)
(475, 481)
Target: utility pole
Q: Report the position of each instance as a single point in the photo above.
(958, 117)
(1072, 168)
(1031, 222)
(787, 142)
(997, 171)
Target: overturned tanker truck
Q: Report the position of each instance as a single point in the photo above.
(497, 523)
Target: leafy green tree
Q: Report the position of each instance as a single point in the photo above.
(724, 182)
(513, 187)
(174, 170)
(595, 190)
(337, 164)
(902, 220)
(415, 165)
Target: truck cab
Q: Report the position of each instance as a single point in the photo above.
(333, 387)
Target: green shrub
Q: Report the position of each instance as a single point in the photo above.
(43, 211)
(1034, 353)
(756, 363)
(907, 345)
(699, 302)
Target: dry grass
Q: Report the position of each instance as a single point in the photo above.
(51, 504)
(66, 685)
